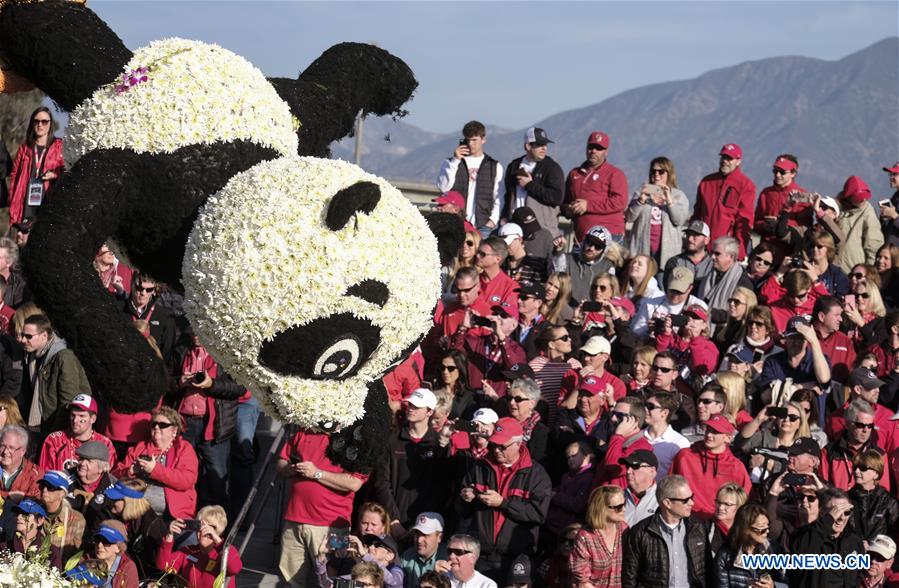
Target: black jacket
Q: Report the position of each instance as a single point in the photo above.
(414, 478)
(225, 391)
(10, 367)
(16, 289)
(727, 575)
(645, 563)
(815, 538)
(547, 187)
(162, 326)
(524, 508)
(876, 512)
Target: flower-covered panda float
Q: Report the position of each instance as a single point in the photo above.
(306, 278)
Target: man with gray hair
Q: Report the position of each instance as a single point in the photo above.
(506, 495)
(836, 457)
(523, 397)
(463, 551)
(727, 275)
(670, 548)
(19, 475)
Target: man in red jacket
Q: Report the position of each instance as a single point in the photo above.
(864, 385)
(827, 316)
(777, 197)
(496, 285)
(596, 191)
(630, 414)
(725, 199)
(709, 464)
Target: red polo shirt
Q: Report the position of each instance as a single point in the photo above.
(605, 190)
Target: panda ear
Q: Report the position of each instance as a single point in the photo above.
(450, 233)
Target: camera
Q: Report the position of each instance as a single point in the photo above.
(466, 426)
(199, 377)
(481, 321)
(192, 525)
(803, 197)
(345, 583)
(797, 263)
(338, 541)
(791, 479)
(777, 412)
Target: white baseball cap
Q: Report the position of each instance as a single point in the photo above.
(883, 545)
(428, 522)
(485, 416)
(422, 398)
(510, 231)
(830, 202)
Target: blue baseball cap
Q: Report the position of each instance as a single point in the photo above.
(118, 491)
(81, 573)
(57, 479)
(29, 506)
(742, 353)
(110, 534)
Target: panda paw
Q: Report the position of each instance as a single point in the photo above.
(359, 447)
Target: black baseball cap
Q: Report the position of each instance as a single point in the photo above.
(639, 458)
(519, 370)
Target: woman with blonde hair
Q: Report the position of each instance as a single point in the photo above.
(728, 500)
(25, 310)
(734, 386)
(740, 303)
(864, 315)
(777, 432)
(640, 371)
(466, 257)
(9, 412)
(556, 309)
(597, 554)
(638, 279)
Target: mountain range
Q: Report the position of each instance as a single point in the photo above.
(840, 118)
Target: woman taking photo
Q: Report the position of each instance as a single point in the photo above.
(597, 553)
(691, 341)
(749, 535)
(738, 306)
(657, 212)
(453, 379)
(556, 308)
(771, 432)
(200, 563)
(36, 168)
(167, 463)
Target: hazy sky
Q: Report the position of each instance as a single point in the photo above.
(511, 64)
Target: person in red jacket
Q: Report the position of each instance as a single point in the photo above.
(448, 316)
(596, 191)
(496, 285)
(20, 475)
(725, 200)
(692, 341)
(630, 413)
(836, 458)
(862, 384)
(709, 464)
(58, 450)
(794, 296)
(36, 168)
(165, 462)
(778, 197)
(201, 564)
(827, 316)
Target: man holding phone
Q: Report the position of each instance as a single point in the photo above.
(536, 181)
(889, 217)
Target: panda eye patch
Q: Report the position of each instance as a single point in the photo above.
(360, 197)
(329, 348)
(371, 291)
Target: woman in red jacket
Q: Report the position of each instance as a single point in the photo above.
(692, 341)
(37, 167)
(167, 463)
(200, 564)
(110, 547)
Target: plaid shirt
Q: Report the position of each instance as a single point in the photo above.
(591, 561)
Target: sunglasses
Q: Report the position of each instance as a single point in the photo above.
(631, 466)
(457, 552)
(863, 295)
(160, 425)
(650, 406)
(800, 296)
(469, 243)
(594, 147)
(617, 507)
(859, 425)
(857, 276)
(41, 121)
(466, 290)
(147, 290)
(484, 254)
(563, 338)
(619, 415)
(808, 498)
(763, 531)
(863, 468)
(659, 172)
(448, 368)
(764, 262)
(28, 336)
(664, 370)
(779, 172)
(518, 399)
(497, 446)
(682, 500)
(707, 401)
(736, 302)
(756, 323)
(790, 417)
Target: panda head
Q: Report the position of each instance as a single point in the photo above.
(307, 279)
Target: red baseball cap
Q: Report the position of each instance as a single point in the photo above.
(894, 169)
(732, 150)
(784, 164)
(505, 309)
(505, 430)
(451, 197)
(599, 138)
(592, 385)
(625, 303)
(720, 424)
(84, 402)
(855, 189)
(697, 311)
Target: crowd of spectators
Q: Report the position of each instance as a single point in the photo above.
(641, 400)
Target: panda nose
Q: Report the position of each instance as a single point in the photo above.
(329, 348)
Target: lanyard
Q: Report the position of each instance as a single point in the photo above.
(39, 161)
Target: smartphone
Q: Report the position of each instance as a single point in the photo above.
(803, 197)
(792, 479)
(652, 190)
(590, 306)
(521, 172)
(145, 457)
(463, 142)
(338, 541)
(757, 355)
(849, 300)
(481, 321)
(466, 426)
(777, 411)
(888, 203)
(192, 525)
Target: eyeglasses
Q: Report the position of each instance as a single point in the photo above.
(682, 500)
(41, 121)
(146, 290)
(857, 276)
(664, 370)
(161, 425)
(818, 246)
(103, 541)
(717, 253)
(800, 296)
(859, 425)
(592, 244)
(651, 407)
(466, 290)
(758, 531)
(847, 513)
(756, 324)
(779, 172)
(631, 466)
(727, 504)
(764, 262)
(458, 552)
(619, 415)
(518, 399)
(448, 368)
(810, 498)
(660, 172)
(617, 507)
(790, 417)
(10, 448)
(602, 287)
(485, 253)
(565, 337)
(707, 401)
(736, 302)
